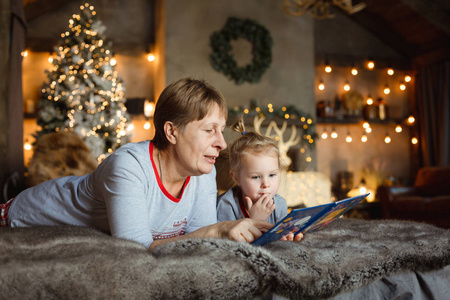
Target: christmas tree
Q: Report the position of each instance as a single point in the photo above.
(84, 93)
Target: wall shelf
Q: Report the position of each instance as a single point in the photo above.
(356, 120)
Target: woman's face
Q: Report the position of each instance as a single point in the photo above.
(199, 143)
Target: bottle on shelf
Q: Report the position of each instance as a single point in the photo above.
(381, 109)
(325, 109)
(339, 111)
(370, 110)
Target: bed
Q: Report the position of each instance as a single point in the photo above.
(349, 259)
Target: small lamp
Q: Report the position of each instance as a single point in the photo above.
(149, 108)
(362, 189)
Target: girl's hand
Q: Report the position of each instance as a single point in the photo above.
(261, 209)
(290, 237)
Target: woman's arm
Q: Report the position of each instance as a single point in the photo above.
(244, 230)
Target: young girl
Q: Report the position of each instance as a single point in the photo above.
(255, 169)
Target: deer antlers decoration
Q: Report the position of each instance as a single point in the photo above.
(285, 161)
(320, 9)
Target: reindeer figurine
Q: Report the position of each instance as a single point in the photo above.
(285, 161)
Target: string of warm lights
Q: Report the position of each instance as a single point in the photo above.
(371, 110)
(370, 65)
(367, 129)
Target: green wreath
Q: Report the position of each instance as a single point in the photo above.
(222, 58)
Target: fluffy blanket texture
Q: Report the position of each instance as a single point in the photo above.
(82, 263)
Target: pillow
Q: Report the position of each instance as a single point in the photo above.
(433, 181)
(59, 154)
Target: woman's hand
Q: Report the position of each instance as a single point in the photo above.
(261, 209)
(243, 230)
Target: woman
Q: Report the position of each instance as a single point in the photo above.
(149, 192)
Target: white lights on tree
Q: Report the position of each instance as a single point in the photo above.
(84, 93)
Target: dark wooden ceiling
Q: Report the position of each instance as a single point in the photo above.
(411, 27)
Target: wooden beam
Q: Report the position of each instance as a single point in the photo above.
(35, 9)
(431, 57)
(12, 41)
(436, 12)
(345, 60)
(5, 23)
(383, 31)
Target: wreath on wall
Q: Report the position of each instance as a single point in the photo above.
(222, 58)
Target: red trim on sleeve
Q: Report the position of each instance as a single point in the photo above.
(158, 179)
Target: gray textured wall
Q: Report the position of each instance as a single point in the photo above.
(290, 78)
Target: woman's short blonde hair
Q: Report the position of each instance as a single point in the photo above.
(182, 102)
(250, 143)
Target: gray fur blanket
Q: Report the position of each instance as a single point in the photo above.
(82, 263)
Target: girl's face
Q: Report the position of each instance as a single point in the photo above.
(199, 143)
(259, 175)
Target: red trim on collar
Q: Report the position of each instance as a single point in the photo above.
(158, 179)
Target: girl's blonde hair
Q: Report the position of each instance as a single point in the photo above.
(249, 143)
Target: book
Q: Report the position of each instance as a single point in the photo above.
(309, 219)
